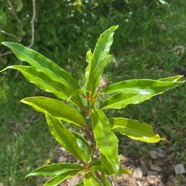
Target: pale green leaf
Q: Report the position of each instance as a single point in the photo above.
(105, 181)
(56, 108)
(98, 165)
(55, 169)
(19, 5)
(41, 63)
(65, 138)
(134, 130)
(99, 59)
(89, 56)
(91, 180)
(55, 181)
(45, 83)
(135, 91)
(82, 143)
(143, 86)
(106, 140)
(173, 78)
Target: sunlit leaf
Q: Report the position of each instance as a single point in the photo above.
(106, 140)
(41, 63)
(55, 181)
(173, 78)
(136, 91)
(89, 56)
(55, 169)
(97, 165)
(56, 108)
(99, 59)
(134, 130)
(91, 180)
(83, 143)
(45, 83)
(105, 181)
(65, 138)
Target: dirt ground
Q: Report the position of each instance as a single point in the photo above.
(156, 169)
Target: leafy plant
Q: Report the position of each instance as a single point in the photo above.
(82, 107)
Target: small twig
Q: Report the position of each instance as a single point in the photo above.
(13, 11)
(6, 53)
(6, 33)
(32, 23)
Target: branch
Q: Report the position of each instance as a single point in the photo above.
(32, 23)
(6, 53)
(13, 11)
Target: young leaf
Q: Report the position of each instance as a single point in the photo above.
(55, 181)
(99, 59)
(91, 180)
(56, 108)
(55, 169)
(41, 63)
(45, 83)
(82, 142)
(135, 92)
(89, 56)
(106, 140)
(65, 138)
(134, 130)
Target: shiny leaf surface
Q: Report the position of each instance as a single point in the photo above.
(65, 138)
(135, 91)
(41, 63)
(55, 181)
(91, 180)
(45, 83)
(99, 59)
(83, 143)
(106, 140)
(56, 108)
(134, 130)
(55, 169)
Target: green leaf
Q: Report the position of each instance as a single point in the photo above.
(143, 86)
(99, 59)
(88, 59)
(97, 165)
(106, 140)
(65, 138)
(55, 169)
(91, 180)
(55, 181)
(45, 83)
(19, 6)
(56, 108)
(41, 63)
(82, 143)
(134, 130)
(135, 91)
(173, 78)
(80, 184)
(105, 181)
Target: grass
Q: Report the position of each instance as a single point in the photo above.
(155, 50)
(25, 139)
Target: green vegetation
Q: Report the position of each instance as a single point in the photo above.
(101, 130)
(149, 44)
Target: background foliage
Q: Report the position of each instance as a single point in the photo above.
(150, 44)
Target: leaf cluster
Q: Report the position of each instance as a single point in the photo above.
(79, 106)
